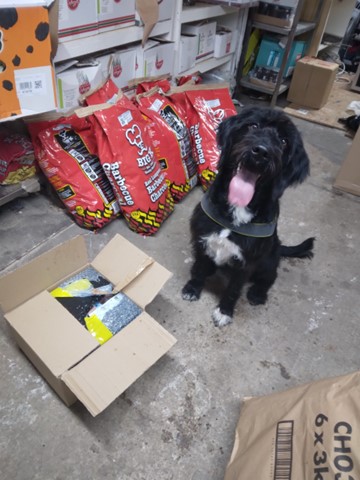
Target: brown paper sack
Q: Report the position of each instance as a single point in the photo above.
(311, 432)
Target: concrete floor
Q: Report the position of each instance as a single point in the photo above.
(177, 421)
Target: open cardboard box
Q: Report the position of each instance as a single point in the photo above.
(64, 352)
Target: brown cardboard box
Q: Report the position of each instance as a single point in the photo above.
(312, 82)
(348, 178)
(27, 41)
(64, 352)
(307, 432)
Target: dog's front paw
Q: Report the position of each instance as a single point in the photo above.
(256, 297)
(190, 293)
(220, 319)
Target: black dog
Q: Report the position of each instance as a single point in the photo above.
(235, 225)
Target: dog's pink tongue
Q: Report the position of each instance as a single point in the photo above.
(242, 188)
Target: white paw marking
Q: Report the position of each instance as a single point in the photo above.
(189, 297)
(220, 319)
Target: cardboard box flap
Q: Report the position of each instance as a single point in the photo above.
(100, 378)
(42, 272)
(149, 14)
(120, 262)
(146, 286)
(52, 332)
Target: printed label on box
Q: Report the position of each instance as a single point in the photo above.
(30, 84)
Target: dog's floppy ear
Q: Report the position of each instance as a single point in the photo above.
(296, 165)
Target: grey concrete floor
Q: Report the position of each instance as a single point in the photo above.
(177, 421)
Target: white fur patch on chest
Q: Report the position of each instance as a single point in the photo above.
(220, 249)
(241, 215)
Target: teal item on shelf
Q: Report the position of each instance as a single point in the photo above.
(271, 53)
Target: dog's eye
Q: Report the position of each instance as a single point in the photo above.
(284, 142)
(254, 125)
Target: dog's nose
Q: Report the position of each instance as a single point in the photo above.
(260, 151)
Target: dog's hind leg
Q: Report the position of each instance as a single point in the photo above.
(223, 313)
(202, 268)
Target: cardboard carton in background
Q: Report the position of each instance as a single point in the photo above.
(77, 19)
(119, 64)
(348, 177)
(205, 31)
(156, 58)
(113, 15)
(223, 41)
(166, 10)
(123, 66)
(77, 80)
(27, 80)
(312, 82)
(64, 352)
(188, 49)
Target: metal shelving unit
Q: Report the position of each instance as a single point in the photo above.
(101, 41)
(22, 189)
(171, 28)
(290, 34)
(199, 11)
(231, 16)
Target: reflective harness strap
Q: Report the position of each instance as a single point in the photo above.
(256, 230)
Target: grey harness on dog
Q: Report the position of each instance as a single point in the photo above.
(257, 230)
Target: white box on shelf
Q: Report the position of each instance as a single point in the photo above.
(123, 68)
(223, 42)
(156, 58)
(104, 62)
(75, 82)
(115, 14)
(187, 52)
(166, 11)
(120, 65)
(77, 19)
(205, 32)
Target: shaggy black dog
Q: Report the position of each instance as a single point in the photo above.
(235, 225)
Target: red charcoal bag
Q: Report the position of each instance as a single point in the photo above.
(66, 152)
(17, 160)
(206, 108)
(128, 159)
(175, 147)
